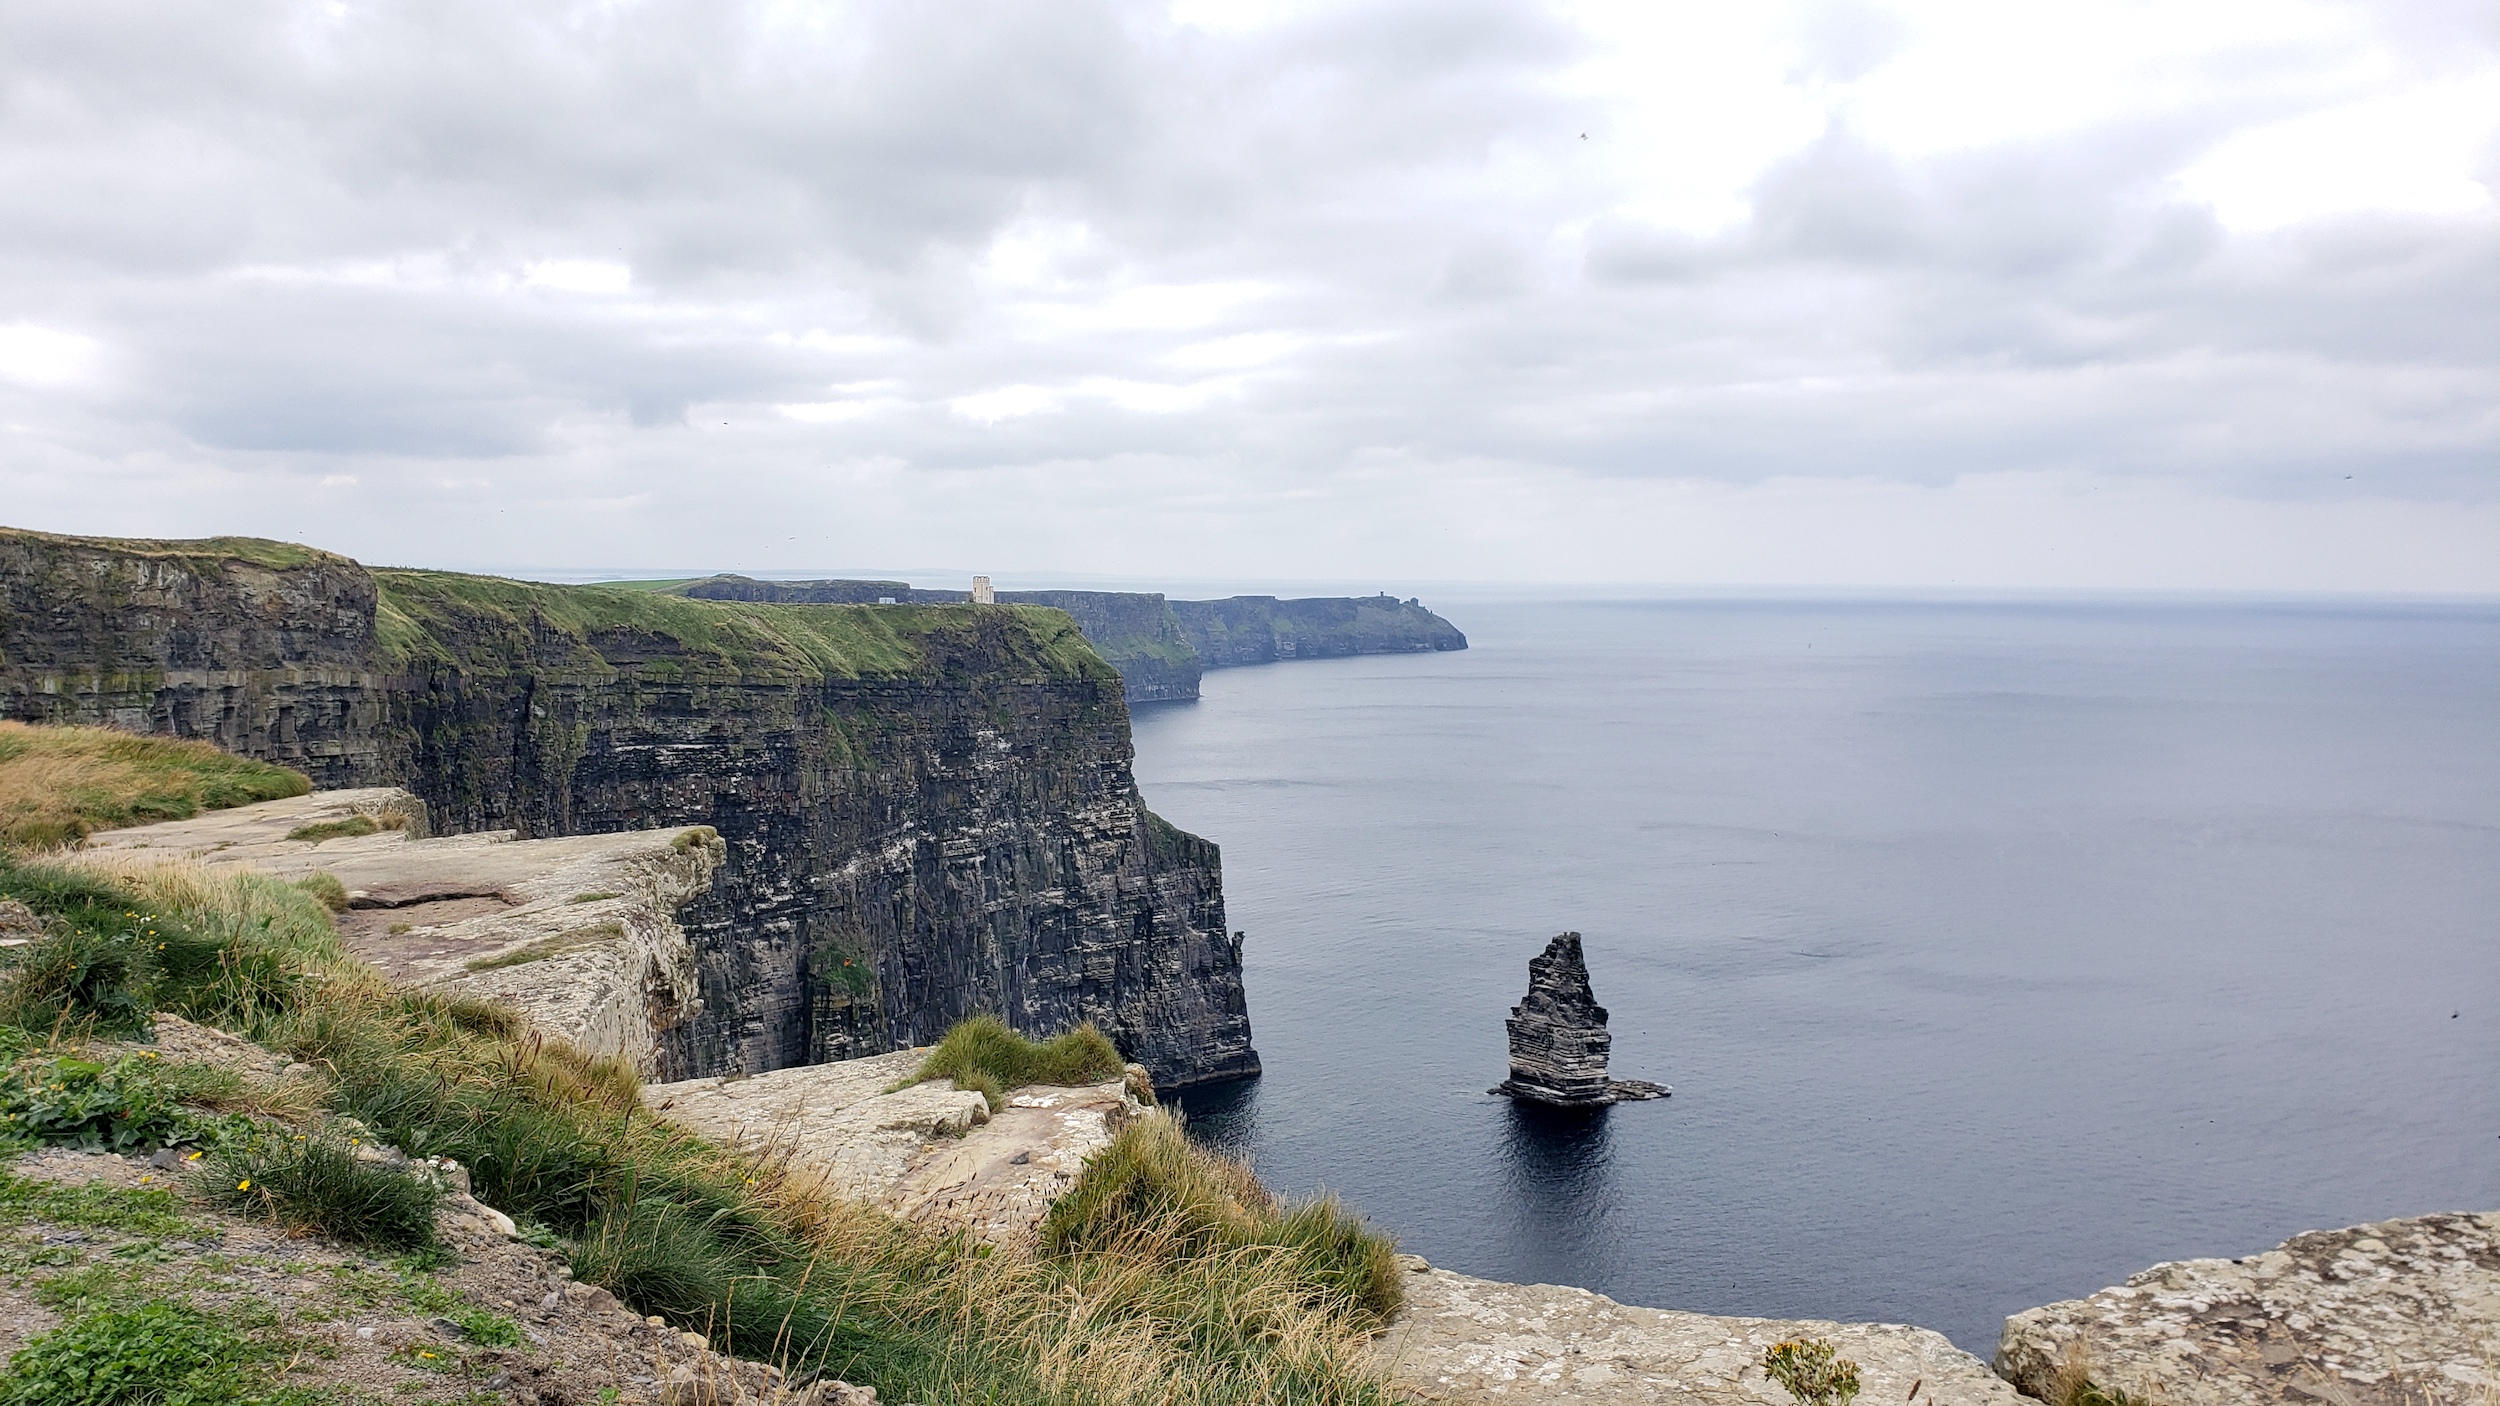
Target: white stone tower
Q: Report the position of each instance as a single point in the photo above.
(981, 592)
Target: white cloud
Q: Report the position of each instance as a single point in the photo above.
(579, 276)
(43, 356)
(1005, 403)
(2414, 152)
(825, 412)
(1467, 287)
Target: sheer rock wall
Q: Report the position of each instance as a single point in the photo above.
(927, 812)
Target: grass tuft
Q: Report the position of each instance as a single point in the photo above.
(982, 1053)
(349, 828)
(59, 785)
(1154, 1194)
(317, 1183)
(326, 887)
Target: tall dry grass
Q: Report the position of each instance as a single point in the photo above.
(60, 784)
(1169, 1277)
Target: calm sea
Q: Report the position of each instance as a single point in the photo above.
(1994, 951)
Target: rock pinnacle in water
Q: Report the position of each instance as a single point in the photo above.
(1558, 1039)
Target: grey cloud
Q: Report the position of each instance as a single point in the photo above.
(300, 236)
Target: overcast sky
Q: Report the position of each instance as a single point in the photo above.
(1932, 293)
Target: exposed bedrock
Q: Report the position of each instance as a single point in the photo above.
(927, 812)
(1558, 1038)
(1465, 1340)
(2398, 1313)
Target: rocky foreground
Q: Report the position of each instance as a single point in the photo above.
(1475, 1340)
(2399, 1313)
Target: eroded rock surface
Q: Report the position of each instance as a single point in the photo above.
(927, 1152)
(580, 934)
(1558, 1038)
(1476, 1341)
(2401, 1311)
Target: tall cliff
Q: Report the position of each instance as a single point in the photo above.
(929, 810)
(1161, 647)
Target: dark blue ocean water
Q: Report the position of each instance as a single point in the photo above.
(1994, 951)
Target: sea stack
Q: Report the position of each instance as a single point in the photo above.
(1558, 1039)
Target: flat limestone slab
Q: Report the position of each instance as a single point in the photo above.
(929, 1152)
(1000, 1179)
(1476, 1341)
(578, 933)
(2399, 1313)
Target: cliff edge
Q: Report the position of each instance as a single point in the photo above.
(925, 812)
(1160, 647)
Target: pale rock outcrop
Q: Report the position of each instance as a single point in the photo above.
(927, 1152)
(579, 934)
(2397, 1313)
(1558, 1038)
(1471, 1340)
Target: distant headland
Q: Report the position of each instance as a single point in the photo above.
(1160, 646)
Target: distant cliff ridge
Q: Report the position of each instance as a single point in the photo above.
(1159, 646)
(928, 811)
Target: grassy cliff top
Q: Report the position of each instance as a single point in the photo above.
(259, 551)
(490, 623)
(60, 784)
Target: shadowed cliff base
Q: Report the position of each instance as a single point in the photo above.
(1160, 646)
(928, 811)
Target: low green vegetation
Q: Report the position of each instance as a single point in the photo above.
(1153, 1193)
(1813, 1371)
(218, 948)
(163, 1353)
(59, 785)
(487, 624)
(320, 1183)
(1167, 1276)
(351, 827)
(572, 940)
(327, 888)
(982, 1053)
(65, 1101)
(141, 1210)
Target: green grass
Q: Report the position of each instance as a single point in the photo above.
(349, 828)
(1152, 1189)
(545, 947)
(982, 1053)
(130, 936)
(1126, 1304)
(318, 1183)
(142, 1211)
(162, 1352)
(485, 624)
(59, 785)
(206, 551)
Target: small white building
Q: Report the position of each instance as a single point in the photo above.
(981, 592)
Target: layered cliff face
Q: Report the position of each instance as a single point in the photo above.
(1161, 647)
(928, 811)
(1262, 629)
